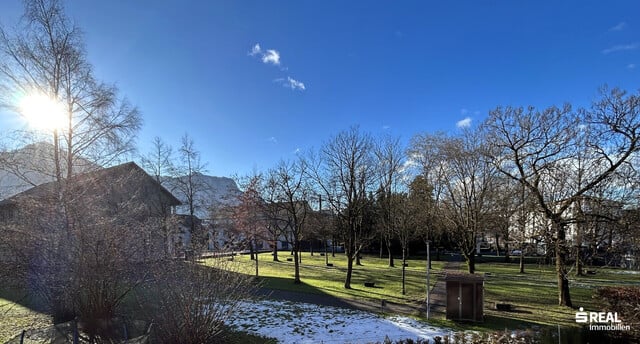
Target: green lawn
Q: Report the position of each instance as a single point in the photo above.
(534, 294)
(320, 279)
(15, 315)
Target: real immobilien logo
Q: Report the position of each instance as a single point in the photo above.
(601, 321)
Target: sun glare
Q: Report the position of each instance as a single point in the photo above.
(42, 112)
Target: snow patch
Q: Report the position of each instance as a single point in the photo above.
(291, 322)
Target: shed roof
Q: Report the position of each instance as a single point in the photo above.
(463, 277)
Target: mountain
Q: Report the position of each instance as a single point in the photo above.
(211, 192)
(32, 165)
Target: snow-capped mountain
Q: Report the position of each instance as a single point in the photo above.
(211, 192)
(32, 165)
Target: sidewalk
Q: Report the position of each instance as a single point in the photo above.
(439, 291)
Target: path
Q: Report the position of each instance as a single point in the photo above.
(439, 290)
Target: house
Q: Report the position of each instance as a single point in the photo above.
(120, 204)
(270, 226)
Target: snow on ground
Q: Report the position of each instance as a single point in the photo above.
(291, 322)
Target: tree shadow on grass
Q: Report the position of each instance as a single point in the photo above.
(17, 292)
(280, 288)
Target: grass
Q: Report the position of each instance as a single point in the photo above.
(533, 294)
(319, 279)
(16, 314)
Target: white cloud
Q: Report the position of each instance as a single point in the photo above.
(386, 127)
(631, 66)
(266, 56)
(619, 27)
(271, 56)
(464, 123)
(295, 84)
(621, 47)
(273, 140)
(255, 50)
(296, 151)
(291, 83)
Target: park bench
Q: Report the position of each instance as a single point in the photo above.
(504, 307)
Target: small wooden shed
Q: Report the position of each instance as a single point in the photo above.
(465, 296)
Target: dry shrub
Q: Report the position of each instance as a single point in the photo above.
(190, 303)
(625, 301)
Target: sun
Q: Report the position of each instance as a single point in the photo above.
(42, 112)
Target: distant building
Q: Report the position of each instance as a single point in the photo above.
(591, 224)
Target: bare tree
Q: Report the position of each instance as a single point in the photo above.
(390, 157)
(45, 56)
(275, 224)
(249, 218)
(402, 225)
(346, 174)
(469, 183)
(538, 149)
(292, 203)
(422, 207)
(424, 155)
(189, 186)
(159, 164)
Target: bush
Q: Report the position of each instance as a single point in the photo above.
(190, 303)
(626, 302)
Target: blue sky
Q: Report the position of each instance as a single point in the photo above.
(398, 67)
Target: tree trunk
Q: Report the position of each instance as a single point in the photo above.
(296, 263)
(381, 241)
(404, 263)
(326, 254)
(251, 250)
(347, 281)
(578, 262)
(358, 259)
(564, 297)
(497, 245)
(507, 259)
(388, 243)
(56, 157)
(275, 250)
(256, 263)
(522, 261)
(311, 247)
(471, 261)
